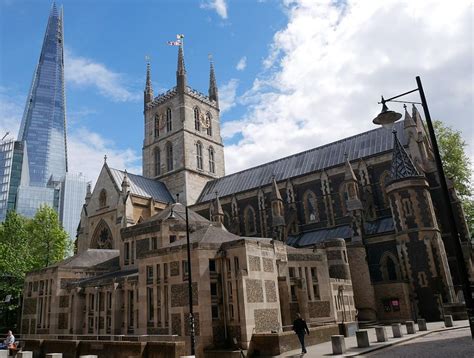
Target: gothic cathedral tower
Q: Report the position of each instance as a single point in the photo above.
(182, 145)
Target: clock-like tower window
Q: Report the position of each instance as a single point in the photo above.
(212, 165)
(169, 123)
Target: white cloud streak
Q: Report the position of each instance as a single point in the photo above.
(218, 6)
(242, 64)
(86, 150)
(328, 67)
(227, 95)
(85, 72)
(11, 109)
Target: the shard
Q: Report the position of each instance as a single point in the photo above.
(43, 126)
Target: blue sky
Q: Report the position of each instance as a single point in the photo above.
(292, 74)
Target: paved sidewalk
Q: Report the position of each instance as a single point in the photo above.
(325, 349)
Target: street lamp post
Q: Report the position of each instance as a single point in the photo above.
(190, 283)
(190, 288)
(387, 117)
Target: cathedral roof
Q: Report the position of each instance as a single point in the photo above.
(89, 258)
(142, 186)
(361, 145)
(402, 165)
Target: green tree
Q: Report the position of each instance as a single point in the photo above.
(15, 261)
(49, 241)
(26, 245)
(457, 166)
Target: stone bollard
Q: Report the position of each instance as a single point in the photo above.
(448, 321)
(338, 344)
(397, 330)
(410, 327)
(88, 356)
(362, 339)
(54, 355)
(3, 353)
(381, 334)
(422, 324)
(24, 354)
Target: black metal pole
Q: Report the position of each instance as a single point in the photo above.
(190, 289)
(466, 285)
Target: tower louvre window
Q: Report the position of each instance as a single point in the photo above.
(199, 155)
(209, 123)
(169, 156)
(212, 165)
(157, 126)
(197, 123)
(157, 162)
(169, 123)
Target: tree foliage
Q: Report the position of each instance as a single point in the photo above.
(26, 245)
(457, 166)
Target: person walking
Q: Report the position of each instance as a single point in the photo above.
(301, 328)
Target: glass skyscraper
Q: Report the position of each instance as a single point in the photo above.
(40, 174)
(43, 126)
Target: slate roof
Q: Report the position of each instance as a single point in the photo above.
(211, 235)
(89, 258)
(311, 238)
(402, 165)
(142, 186)
(361, 145)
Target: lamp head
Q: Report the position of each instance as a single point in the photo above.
(386, 118)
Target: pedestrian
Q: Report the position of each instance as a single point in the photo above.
(301, 328)
(9, 340)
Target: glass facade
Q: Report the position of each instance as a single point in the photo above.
(11, 163)
(73, 192)
(43, 126)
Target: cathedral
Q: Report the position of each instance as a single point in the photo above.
(352, 230)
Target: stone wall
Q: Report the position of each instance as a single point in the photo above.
(266, 320)
(270, 291)
(180, 297)
(278, 343)
(319, 309)
(254, 290)
(105, 349)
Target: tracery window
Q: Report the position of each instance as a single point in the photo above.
(197, 123)
(212, 164)
(249, 221)
(389, 267)
(310, 207)
(169, 156)
(199, 155)
(169, 123)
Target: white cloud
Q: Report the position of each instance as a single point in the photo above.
(86, 150)
(227, 95)
(328, 67)
(219, 6)
(242, 64)
(11, 109)
(85, 72)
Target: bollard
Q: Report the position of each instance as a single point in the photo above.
(397, 330)
(410, 327)
(362, 339)
(448, 321)
(381, 334)
(24, 354)
(3, 353)
(338, 344)
(54, 355)
(88, 356)
(422, 324)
